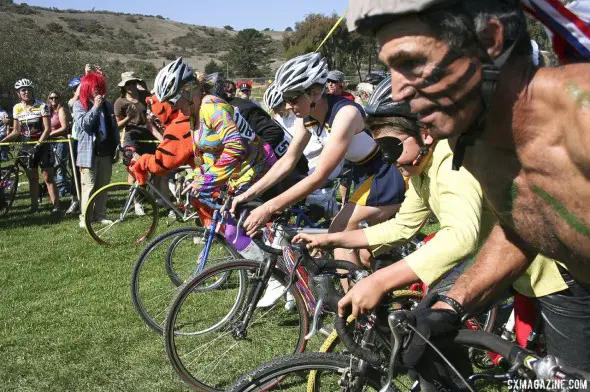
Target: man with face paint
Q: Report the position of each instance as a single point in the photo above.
(464, 68)
(454, 197)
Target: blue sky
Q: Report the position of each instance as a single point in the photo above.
(241, 14)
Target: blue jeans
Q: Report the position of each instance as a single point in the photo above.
(62, 161)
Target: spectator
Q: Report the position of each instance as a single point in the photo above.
(74, 85)
(59, 128)
(336, 85)
(245, 91)
(131, 115)
(31, 120)
(4, 131)
(98, 139)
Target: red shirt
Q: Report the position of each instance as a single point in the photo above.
(347, 95)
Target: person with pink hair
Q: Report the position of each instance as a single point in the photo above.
(98, 138)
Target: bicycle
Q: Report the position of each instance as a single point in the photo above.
(364, 367)
(126, 219)
(9, 179)
(184, 251)
(181, 254)
(199, 337)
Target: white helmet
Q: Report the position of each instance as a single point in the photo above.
(272, 97)
(171, 79)
(23, 83)
(301, 72)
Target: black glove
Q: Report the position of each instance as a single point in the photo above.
(431, 323)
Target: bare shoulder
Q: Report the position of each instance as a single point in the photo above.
(565, 92)
(347, 117)
(563, 86)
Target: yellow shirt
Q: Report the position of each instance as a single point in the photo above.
(456, 198)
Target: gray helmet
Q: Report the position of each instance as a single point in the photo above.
(171, 79)
(23, 83)
(366, 16)
(381, 105)
(272, 97)
(301, 72)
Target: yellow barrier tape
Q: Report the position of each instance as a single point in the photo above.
(61, 141)
(331, 31)
(33, 142)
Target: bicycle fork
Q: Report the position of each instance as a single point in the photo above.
(239, 329)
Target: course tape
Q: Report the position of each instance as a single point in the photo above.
(61, 141)
(332, 31)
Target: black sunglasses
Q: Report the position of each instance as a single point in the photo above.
(54, 97)
(292, 98)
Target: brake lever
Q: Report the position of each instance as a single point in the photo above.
(397, 324)
(316, 319)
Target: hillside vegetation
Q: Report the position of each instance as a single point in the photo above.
(49, 45)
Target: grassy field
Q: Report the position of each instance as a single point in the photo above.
(67, 320)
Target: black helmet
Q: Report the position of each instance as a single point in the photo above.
(381, 105)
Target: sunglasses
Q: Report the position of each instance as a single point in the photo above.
(292, 98)
(54, 97)
(333, 81)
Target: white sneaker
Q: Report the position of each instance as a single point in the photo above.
(105, 222)
(73, 208)
(139, 210)
(171, 214)
(273, 292)
(290, 304)
(82, 224)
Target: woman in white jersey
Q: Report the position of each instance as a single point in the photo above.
(339, 125)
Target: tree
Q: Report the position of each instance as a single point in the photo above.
(310, 33)
(250, 53)
(289, 29)
(228, 27)
(213, 67)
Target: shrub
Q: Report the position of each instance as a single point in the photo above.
(130, 19)
(167, 55)
(85, 26)
(228, 27)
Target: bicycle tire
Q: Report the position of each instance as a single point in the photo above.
(269, 334)
(117, 194)
(9, 180)
(152, 298)
(284, 372)
(176, 245)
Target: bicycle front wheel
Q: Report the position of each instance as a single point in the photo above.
(121, 213)
(9, 186)
(205, 338)
(332, 372)
(166, 263)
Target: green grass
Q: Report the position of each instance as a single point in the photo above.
(67, 322)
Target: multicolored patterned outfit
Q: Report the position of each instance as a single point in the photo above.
(225, 154)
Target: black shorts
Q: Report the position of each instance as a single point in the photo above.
(137, 138)
(43, 157)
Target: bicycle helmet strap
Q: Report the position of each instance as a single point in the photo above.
(490, 76)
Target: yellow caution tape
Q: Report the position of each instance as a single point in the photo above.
(331, 31)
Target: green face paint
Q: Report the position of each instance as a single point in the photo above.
(513, 194)
(575, 223)
(581, 97)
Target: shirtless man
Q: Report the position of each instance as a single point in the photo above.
(524, 137)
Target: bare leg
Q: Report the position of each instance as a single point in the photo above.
(48, 178)
(33, 176)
